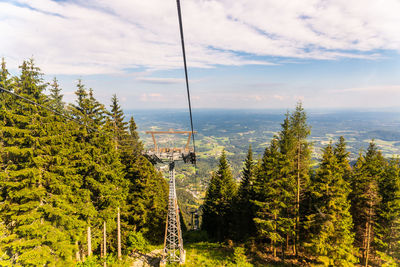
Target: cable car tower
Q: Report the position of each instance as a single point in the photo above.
(173, 242)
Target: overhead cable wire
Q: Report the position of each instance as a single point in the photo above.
(186, 72)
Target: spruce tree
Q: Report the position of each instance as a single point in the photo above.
(217, 210)
(117, 114)
(287, 145)
(33, 212)
(271, 195)
(244, 208)
(7, 83)
(59, 177)
(133, 128)
(120, 129)
(56, 96)
(365, 199)
(81, 94)
(342, 156)
(5, 80)
(388, 215)
(302, 153)
(331, 223)
(146, 203)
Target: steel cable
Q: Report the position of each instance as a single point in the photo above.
(178, 4)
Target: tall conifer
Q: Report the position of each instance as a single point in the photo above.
(5, 79)
(217, 210)
(271, 195)
(56, 96)
(35, 221)
(300, 130)
(287, 145)
(342, 156)
(365, 199)
(331, 224)
(244, 206)
(388, 215)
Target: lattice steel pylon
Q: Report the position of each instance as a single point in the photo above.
(173, 242)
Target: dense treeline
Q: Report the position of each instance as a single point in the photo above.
(59, 177)
(335, 214)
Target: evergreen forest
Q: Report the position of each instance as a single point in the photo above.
(67, 172)
(58, 177)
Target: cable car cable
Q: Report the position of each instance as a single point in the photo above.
(186, 74)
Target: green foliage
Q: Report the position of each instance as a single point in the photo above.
(239, 257)
(217, 209)
(271, 197)
(214, 254)
(137, 242)
(58, 177)
(56, 96)
(331, 223)
(195, 236)
(365, 199)
(92, 261)
(387, 229)
(244, 207)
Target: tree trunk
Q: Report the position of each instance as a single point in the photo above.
(89, 242)
(105, 244)
(119, 235)
(77, 253)
(287, 242)
(368, 237)
(274, 242)
(297, 230)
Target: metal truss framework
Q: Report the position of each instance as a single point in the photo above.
(173, 243)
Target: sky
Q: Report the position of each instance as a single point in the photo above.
(241, 54)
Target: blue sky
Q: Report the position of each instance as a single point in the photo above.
(241, 54)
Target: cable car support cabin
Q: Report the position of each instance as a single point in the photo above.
(160, 154)
(173, 242)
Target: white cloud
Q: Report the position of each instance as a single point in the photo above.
(157, 80)
(152, 97)
(370, 89)
(102, 36)
(279, 97)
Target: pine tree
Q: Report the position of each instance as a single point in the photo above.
(365, 199)
(31, 210)
(342, 156)
(244, 206)
(146, 203)
(133, 128)
(117, 114)
(56, 96)
(58, 177)
(147, 200)
(271, 194)
(81, 94)
(331, 224)
(388, 215)
(95, 110)
(287, 145)
(302, 152)
(120, 129)
(5, 81)
(217, 211)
